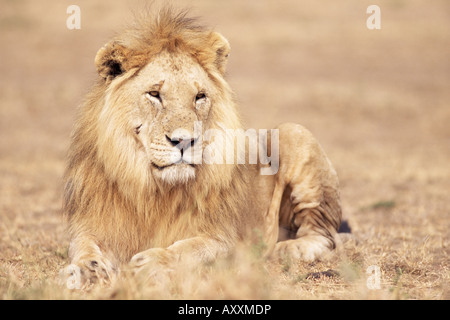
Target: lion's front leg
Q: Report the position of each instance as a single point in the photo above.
(88, 265)
(160, 262)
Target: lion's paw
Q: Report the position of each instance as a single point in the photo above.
(152, 264)
(306, 248)
(87, 272)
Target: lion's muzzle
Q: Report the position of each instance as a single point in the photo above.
(182, 144)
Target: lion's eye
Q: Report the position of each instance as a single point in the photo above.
(154, 94)
(200, 96)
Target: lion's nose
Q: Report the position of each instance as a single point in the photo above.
(181, 143)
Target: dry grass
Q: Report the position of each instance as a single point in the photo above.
(377, 100)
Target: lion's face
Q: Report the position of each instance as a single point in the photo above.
(175, 94)
(159, 109)
(158, 93)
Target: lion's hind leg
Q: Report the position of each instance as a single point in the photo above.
(312, 241)
(313, 215)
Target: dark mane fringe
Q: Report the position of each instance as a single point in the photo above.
(166, 29)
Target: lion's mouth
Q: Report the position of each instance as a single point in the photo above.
(160, 168)
(175, 173)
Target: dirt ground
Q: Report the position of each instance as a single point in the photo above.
(377, 100)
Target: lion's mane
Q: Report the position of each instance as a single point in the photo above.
(109, 190)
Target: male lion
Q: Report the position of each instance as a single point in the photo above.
(137, 193)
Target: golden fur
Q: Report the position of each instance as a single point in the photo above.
(129, 207)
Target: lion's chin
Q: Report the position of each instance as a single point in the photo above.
(175, 173)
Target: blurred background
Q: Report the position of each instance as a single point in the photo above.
(377, 100)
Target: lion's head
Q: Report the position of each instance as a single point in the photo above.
(161, 87)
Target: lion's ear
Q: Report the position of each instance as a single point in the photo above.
(222, 49)
(110, 60)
